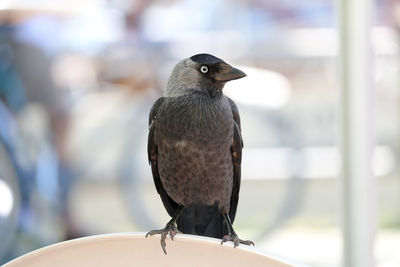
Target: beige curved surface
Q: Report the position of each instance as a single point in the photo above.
(133, 249)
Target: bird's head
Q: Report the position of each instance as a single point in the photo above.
(202, 72)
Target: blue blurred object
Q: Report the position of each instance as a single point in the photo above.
(28, 164)
(10, 193)
(34, 190)
(11, 87)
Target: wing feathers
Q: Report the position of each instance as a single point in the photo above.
(170, 205)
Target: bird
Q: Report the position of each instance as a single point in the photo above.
(195, 150)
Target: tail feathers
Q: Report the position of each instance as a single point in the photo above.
(203, 220)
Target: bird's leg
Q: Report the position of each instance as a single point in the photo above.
(170, 228)
(232, 236)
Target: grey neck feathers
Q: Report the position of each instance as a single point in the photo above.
(176, 89)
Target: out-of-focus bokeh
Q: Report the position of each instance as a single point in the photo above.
(78, 78)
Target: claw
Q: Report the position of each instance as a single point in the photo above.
(236, 240)
(163, 244)
(170, 229)
(232, 236)
(172, 234)
(247, 242)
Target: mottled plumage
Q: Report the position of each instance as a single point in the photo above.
(195, 148)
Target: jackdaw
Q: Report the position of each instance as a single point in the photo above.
(195, 148)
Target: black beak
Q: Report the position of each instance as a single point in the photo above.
(228, 73)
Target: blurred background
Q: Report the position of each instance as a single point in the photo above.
(78, 78)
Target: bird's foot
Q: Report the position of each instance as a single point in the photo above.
(170, 229)
(236, 240)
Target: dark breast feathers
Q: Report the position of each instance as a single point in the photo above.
(194, 138)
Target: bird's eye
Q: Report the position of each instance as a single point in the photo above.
(204, 69)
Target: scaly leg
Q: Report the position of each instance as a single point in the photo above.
(170, 228)
(232, 236)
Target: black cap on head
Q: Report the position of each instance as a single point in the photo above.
(205, 59)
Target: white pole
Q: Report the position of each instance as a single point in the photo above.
(358, 188)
